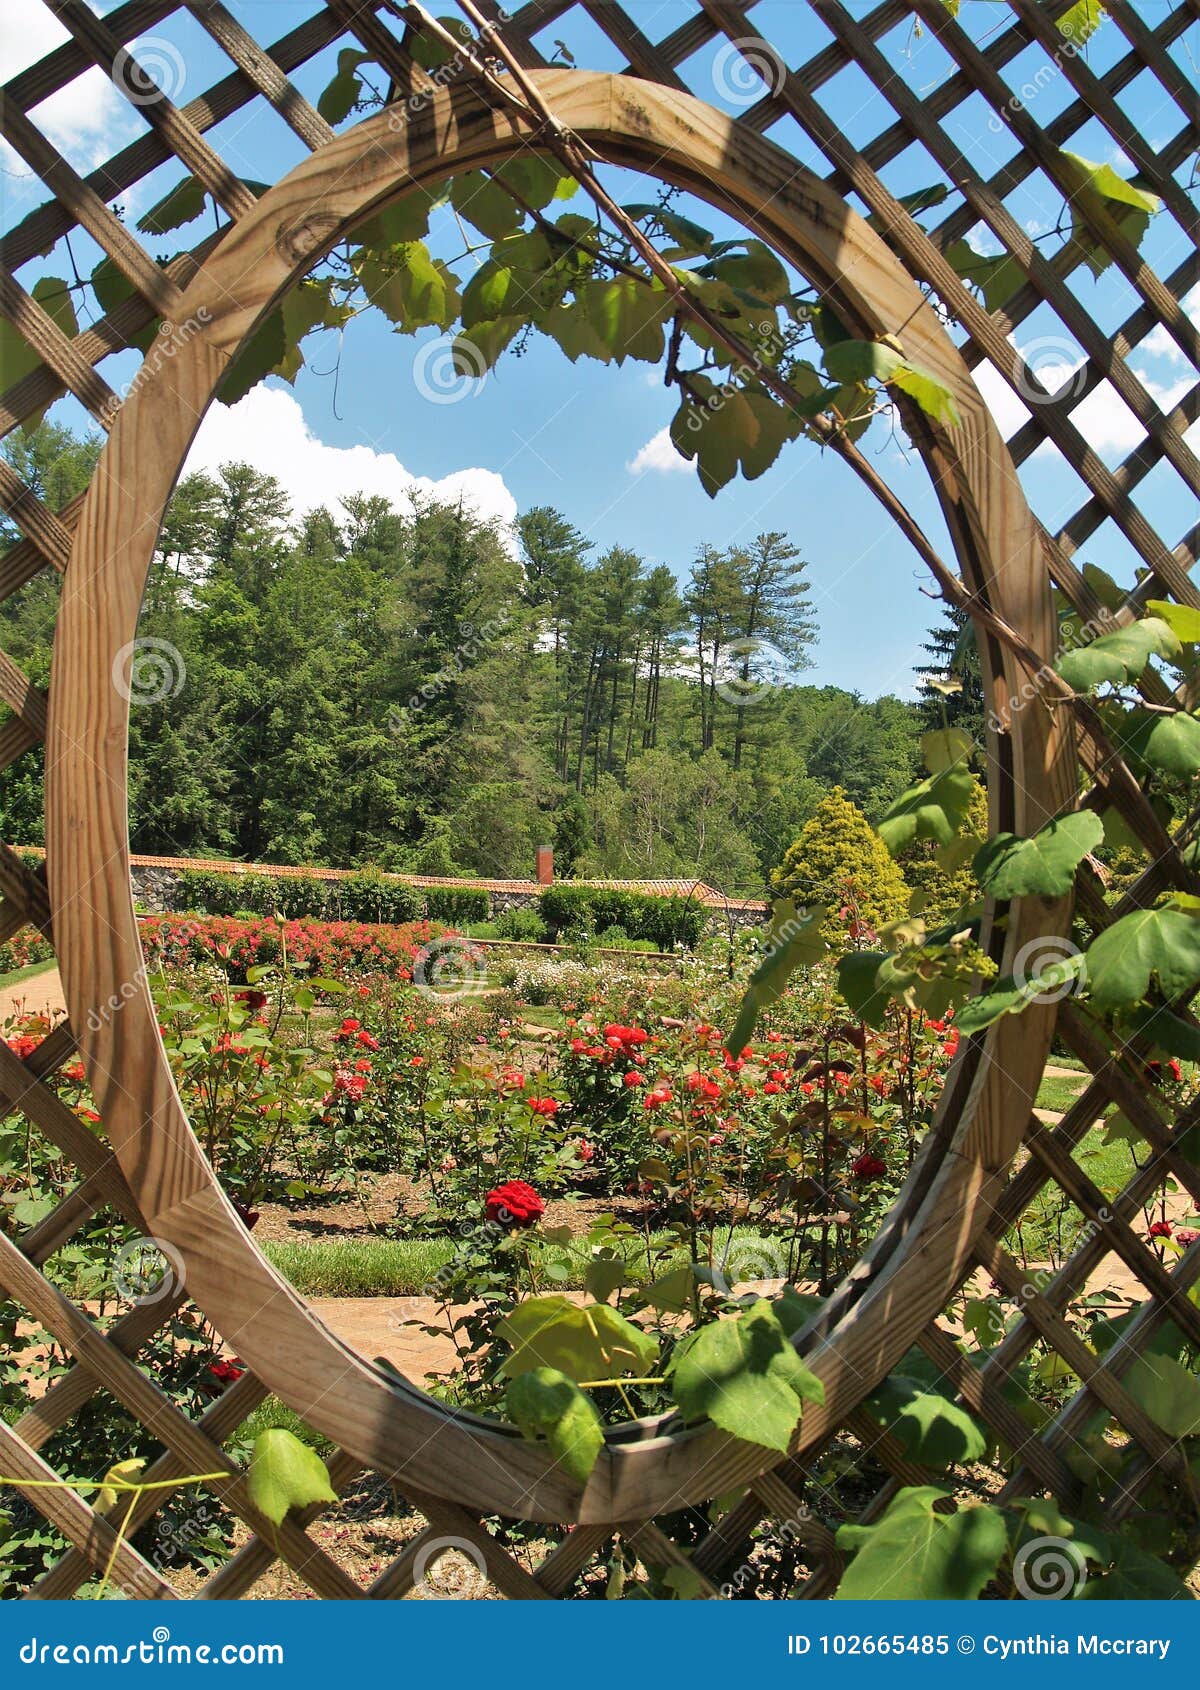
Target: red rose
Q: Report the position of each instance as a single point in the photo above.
(1161, 1229)
(867, 1167)
(514, 1204)
(543, 1105)
(1187, 1236)
(633, 1078)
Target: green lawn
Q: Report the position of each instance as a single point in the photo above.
(30, 972)
(1059, 1091)
(400, 1267)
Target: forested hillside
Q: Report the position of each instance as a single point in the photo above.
(416, 689)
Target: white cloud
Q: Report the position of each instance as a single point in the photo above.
(88, 119)
(658, 454)
(267, 429)
(1103, 418)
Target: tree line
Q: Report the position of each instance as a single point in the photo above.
(420, 690)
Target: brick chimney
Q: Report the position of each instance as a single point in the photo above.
(545, 865)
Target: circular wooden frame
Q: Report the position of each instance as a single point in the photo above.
(923, 1251)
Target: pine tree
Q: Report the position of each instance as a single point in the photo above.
(947, 891)
(840, 861)
(953, 657)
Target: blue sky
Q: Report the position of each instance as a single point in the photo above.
(584, 437)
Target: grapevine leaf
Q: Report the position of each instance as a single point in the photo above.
(575, 333)
(861, 360)
(1162, 945)
(183, 204)
(545, 1402)
(998, 276)
(428, 51)
(792, 940)
(628, 316)
(1168, 1392)
(859, 984)
(535, 180)
(285, 1474)
(743, 1375)
(1081, 21)
(483, 201)
(942, 748)
(1010, 867)
(116, 1483)
(690, 238)
(915, 1554)
(1009, 996)
(342, 94)
(475, 353)
(933, 396)
(1182, 619)
(1120, 656)
(1166, 1031)
(932, 809)
(933, 1431)
(756, 272)
(1098, 188)
(404, 220)
(592, 1342)
(266, 348)
(1168, 743)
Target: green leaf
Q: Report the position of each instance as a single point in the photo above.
(743, 1375)
(933, 396)
(116, 1483)
(183, 204)
(1134, 1576)
(17, 356)
(536, 180)
(592, 1342)
(1120, 656)
(545, 1403)
(1182, 619)
(1010, 997)
(284, 1474)
(914, 1554)
(933, 1430)
(861, 360)
(1166, 1031)
(483, 201)
(942, 748)
(932, 809)
(1081, 21)
(404, 220)
(628, 316)
(1096, 188)
(1169, 743)
(603, 1276)
(343, 93)
(998, 277)
(428, 51)
(1168, 1392)
(1160, 945)
(1011, 867)
(691, 239)
(266, 348)
(792, 940)
(756, 272)
(475, 353)
(859, 983)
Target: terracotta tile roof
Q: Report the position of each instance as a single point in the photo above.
(698, 890)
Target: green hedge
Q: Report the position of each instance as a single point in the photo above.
(357, 897)
(457, 906)
(666, 922)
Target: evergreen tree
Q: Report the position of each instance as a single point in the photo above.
(951, 682)
(839, 860)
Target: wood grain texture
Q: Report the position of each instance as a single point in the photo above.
(912, 1270)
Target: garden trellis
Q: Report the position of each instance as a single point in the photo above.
(987, 1158)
